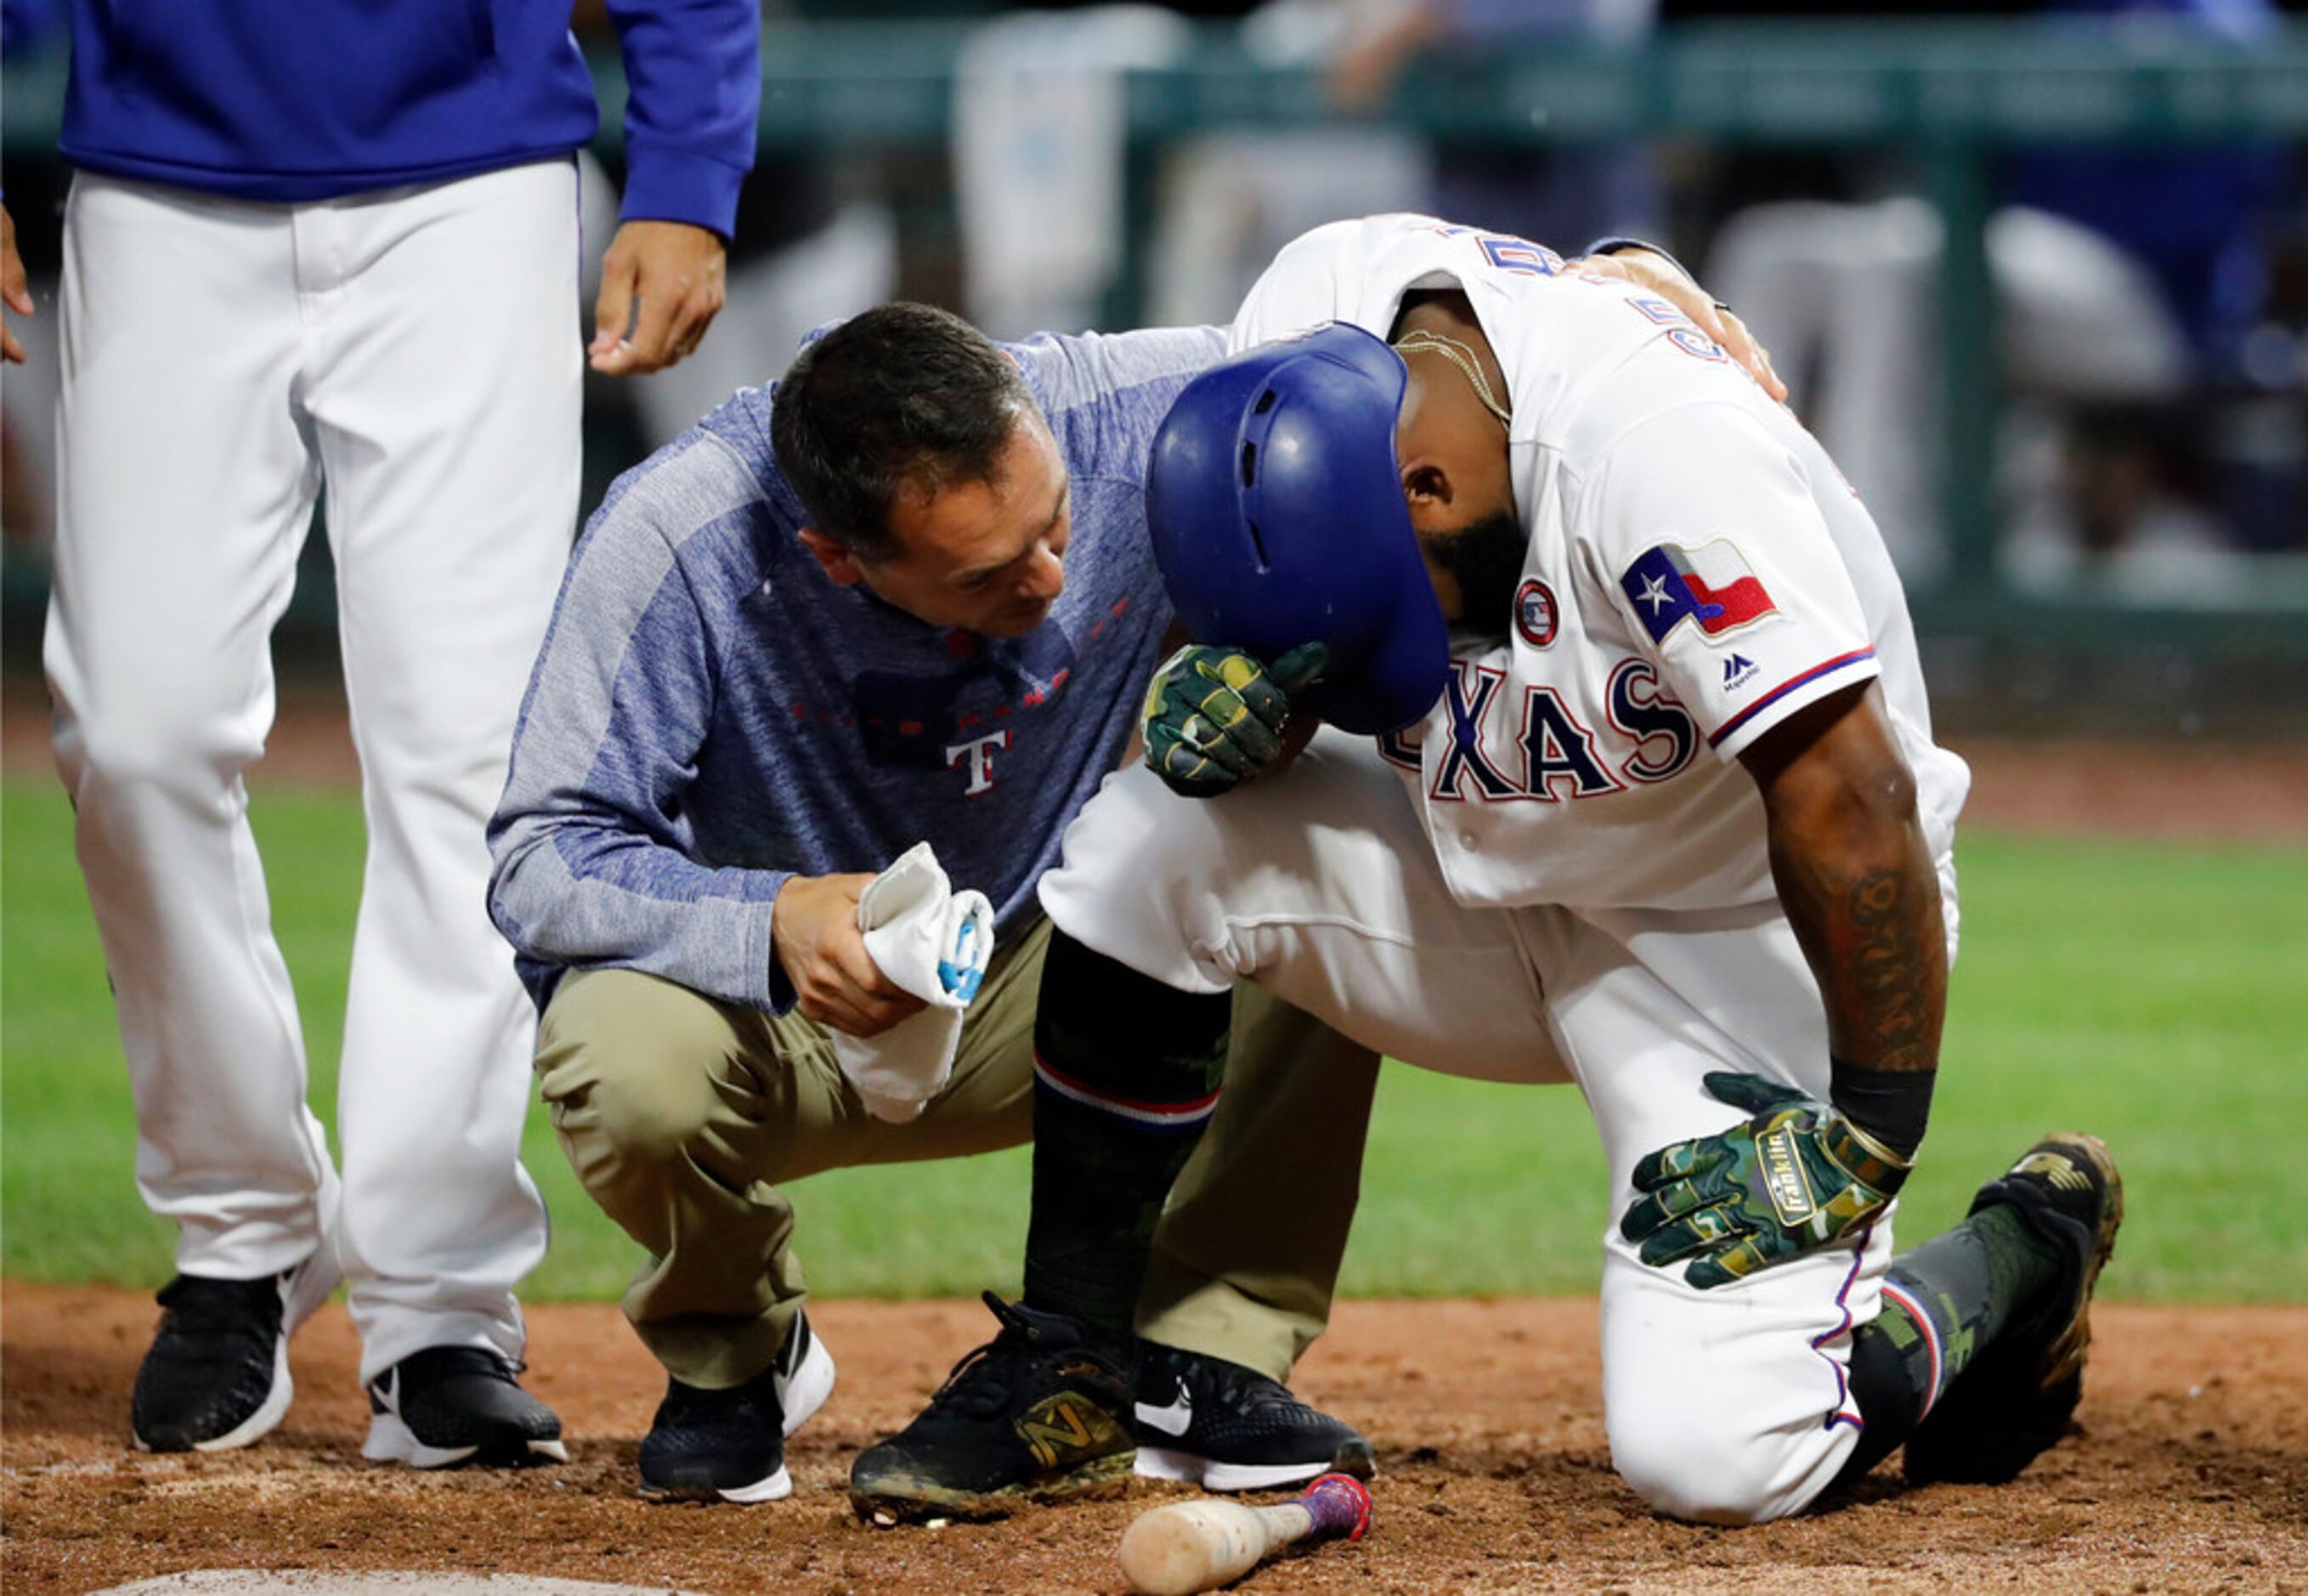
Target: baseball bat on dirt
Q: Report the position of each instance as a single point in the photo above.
(1203, 1544)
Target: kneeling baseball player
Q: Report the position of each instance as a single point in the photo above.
(908, 595)
(1625, 777)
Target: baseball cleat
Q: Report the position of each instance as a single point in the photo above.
(1227, 1428)
(449, 1405)
(729, 1445)
(2016, 1399)
(1040, 1412)
(217, 1374)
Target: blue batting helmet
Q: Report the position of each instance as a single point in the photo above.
(1276, 509)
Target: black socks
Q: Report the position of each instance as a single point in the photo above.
(1942, 1304)
(1126, 1074)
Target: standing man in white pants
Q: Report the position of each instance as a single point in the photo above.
(335, 249)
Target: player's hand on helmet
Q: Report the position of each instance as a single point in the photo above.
(814, 929)
(1214, 716)
(1795, 1177)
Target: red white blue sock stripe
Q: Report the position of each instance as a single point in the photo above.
(1930, 1334)
(1188, 1115)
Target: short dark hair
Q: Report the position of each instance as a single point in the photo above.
(902, 395)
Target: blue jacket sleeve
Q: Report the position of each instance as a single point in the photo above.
(695, 70)
(589, 846)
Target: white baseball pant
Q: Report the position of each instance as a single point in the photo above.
(1729, 1406)
(415, 355)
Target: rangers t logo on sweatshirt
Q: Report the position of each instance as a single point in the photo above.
(1669, 585)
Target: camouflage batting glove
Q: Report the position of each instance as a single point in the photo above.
(1793, 1178)
(1214, 716)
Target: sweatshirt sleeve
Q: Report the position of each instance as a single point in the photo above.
(695, 72)
(589, 846)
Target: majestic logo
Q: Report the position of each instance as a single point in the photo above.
(1535, 615)
(1174, 1419)
(1736, 669)
(1711, 585)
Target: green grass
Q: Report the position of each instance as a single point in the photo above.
(2153, 994)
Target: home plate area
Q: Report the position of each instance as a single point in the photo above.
(2188, 1472)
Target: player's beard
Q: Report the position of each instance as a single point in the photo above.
(1486, 558)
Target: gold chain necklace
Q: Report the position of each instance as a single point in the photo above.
(1423, 342)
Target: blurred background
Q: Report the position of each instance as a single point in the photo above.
(2037, 274)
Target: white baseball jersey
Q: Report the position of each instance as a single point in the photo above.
(1698, 571)
(1596, 902)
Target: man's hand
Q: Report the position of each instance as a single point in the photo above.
(813, 927)
(662, 284)
(1652, 272)
(13, 292)
(1214, 716)
(1793, 1178)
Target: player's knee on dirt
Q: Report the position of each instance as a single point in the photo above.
(1720, 1441)
(1686, 1473)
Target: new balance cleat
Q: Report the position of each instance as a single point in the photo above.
(1227, 1428)
(729, 1445)
(449, 1405)
(2017, 1398)
(1038, 1412)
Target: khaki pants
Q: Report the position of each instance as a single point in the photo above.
(681, 1115)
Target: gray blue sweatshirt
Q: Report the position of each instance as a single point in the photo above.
(711, 713)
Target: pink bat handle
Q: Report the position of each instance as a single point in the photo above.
(1339, 1505)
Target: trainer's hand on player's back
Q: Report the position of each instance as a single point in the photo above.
(662, 284)
(1651, 271)
(14, 289)
(813, 928)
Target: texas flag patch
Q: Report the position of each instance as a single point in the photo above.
(1710, 584)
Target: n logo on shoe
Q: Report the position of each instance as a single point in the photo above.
(1065, 1428)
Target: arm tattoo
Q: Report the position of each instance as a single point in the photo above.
(1871, 935)
(1889, 971)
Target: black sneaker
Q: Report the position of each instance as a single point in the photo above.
(217, 1376)
(1037, 1412)
(1226, 1428)
(2016, 1399)
(448, 1405)
(729, 1445)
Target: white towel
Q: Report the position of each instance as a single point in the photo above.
(933, 942)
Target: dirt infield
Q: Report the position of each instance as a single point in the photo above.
(2190, 1472)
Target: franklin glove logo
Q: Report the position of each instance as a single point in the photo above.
(1784, 1178)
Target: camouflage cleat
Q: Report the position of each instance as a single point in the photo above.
(2016, 1401)
(1038, 1412)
